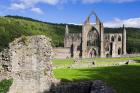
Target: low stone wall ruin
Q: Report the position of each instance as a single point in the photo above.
(61, 53)
(96, 86)
(131, 55)
(5, 64)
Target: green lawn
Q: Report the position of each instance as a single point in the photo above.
(98, 61)
(125, 79)
(63, 62)
(4, 86)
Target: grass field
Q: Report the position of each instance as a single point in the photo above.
(98, 61)
(125, 79)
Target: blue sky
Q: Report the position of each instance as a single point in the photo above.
(113, 13)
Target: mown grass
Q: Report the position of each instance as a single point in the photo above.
(114, 60)
(5, 85)
(60, 62)
(98, 61)
(125, 79)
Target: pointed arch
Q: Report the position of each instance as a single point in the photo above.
(119, 51)
(93, 37)
(96, 18)
(119, 38)
(112, 38)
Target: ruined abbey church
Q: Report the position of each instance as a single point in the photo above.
(92, 41)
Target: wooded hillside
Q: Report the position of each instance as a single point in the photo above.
(12, 27)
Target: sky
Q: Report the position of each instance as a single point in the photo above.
(113, 13)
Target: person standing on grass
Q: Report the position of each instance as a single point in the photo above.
(92, 53)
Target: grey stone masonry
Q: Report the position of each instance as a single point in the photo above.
(96, 86)
(31, 64)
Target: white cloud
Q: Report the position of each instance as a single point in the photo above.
(91, 1)
(16, 6)
(37, 10)
(112, 1)
(132, 22)
(29, 4)
(121, 1)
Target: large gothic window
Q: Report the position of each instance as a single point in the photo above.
(92, 38)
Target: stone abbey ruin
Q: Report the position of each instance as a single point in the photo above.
(92, 41)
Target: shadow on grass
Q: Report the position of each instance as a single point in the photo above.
(138, 61)
(125, 79)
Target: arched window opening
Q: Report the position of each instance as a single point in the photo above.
(107, 55)
(78, 48)
(112, 38)
(108, 49)
(92, 38)
(119, 51)
(119, 38)
(71, 50)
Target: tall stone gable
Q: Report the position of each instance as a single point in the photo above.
(99, 30)
(31, 64)
(93, 41)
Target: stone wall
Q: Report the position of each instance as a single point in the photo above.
(5, 65)
(30, 59)
(61, 53)
(131, 55)
(96, 86)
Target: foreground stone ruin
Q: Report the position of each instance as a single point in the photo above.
(31, 64)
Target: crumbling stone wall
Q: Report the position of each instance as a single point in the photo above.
(5, 58)
(31, 64)
(5, 66)
(96, 86)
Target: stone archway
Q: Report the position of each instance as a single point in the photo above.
(112, 38)
(119, 38)
(92, 52)
(111, 48)
(72, 50)
(119, 51)
(88, 27)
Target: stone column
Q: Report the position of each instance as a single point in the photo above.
(86, 28)
(113, 49)
(66, 41)
(101, 40)
(124, 41)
